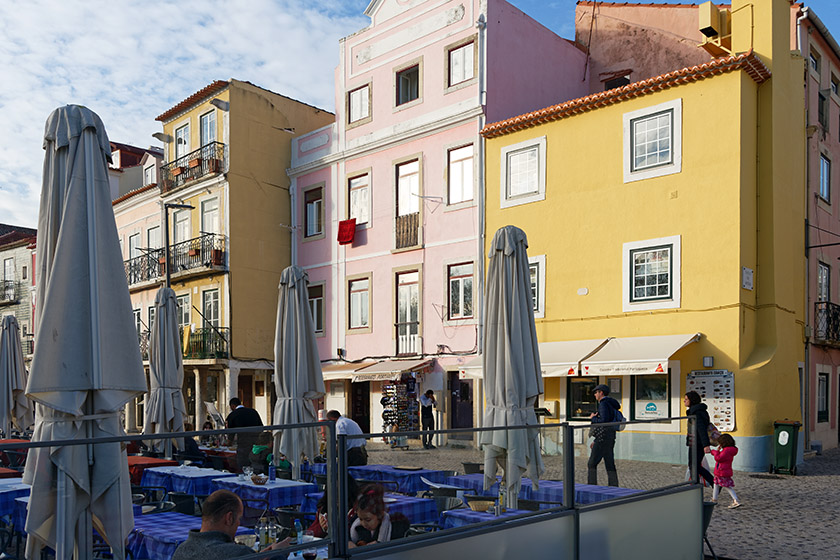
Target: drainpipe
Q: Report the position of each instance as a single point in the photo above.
(293, 208)
(481, 24)
(806, 374)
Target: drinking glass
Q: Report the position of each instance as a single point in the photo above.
(312, 552)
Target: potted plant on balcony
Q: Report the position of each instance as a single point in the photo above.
(216, 258)
(177, 171)
(213, 165)
(193, 251)
(195, 162)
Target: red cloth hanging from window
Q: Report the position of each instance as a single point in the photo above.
(346, 231)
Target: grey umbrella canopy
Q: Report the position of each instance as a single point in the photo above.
(15, 408)
(165, 408)
(512, 377)
(87, 364)
(297, 368)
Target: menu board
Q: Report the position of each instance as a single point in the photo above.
(717, 389)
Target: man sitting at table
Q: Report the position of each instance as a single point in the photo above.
(356, 452)
(220, 517)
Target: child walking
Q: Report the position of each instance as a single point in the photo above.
(724, 455)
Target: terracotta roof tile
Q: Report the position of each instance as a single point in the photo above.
(212, 89)
(129, 194)
(748, 61)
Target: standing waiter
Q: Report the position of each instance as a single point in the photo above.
(427, 417)
(243, 417)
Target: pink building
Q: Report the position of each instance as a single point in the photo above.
(396, 291)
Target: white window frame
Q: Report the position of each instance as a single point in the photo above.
(175, 222)
(461, 280)
(409, 186)
(539, 262)
(825, 178)
(204, 215)
(360, 327)
(148, 175)
(468, 60)
(318, 206)
(823, 282)
(134, 248)
(205, 138)
(187, 305)
(204, 301)
(675, 108)
(507, 201)
(316, 308)
(149, 244)
(359, 97)
(181, 132)
(151, 314)
(627, 271)
(366, 207)
(462, 171)
(823, 395)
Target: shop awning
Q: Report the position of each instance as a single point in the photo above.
(640, 355)
(560, 359)
(471, 369)
(389, 370)
(343, 370)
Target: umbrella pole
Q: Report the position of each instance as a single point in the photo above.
(61, 498)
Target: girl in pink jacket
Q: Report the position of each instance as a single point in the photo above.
(724, 455)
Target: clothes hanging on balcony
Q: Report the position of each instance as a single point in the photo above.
(346, 231)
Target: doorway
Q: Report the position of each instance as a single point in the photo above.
(461, 395)
(360, 404)
(245, 391)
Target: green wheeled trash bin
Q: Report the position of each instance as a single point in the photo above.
(785, 447)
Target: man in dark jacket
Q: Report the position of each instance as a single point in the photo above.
(695, 407)
(604, 445)
(243, 417)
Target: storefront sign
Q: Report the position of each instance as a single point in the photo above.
(627, 368)
(717, 389)
(382, 376)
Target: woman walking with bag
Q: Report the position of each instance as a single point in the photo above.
(695, 407)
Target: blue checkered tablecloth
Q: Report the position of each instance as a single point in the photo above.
(191, 480)
(552, 491)
(417, 510)
(157, 535)
(408, 480)
(465, 516)
(9, 493)
(21, 504)
(279, 493)
(475, 484)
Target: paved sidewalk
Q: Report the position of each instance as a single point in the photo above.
(781, 516)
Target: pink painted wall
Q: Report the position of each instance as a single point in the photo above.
(529, 66)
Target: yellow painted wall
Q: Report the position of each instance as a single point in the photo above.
(738, 202)
(194, 115)
(259, 208)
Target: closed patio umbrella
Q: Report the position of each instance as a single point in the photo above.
(512, 377)
(15, 408)
(165, 408)
(87, 364)
(297, 369)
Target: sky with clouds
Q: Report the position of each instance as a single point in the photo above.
(131, 61)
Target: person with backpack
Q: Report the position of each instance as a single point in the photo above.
(603, 446)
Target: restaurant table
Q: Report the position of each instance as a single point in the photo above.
(3, 456)
(548, 491)
(279, 493)
(408, 479)
(157, 535)
(228, 455)
(190, 480)
(19, 515)
(465, 516)
(475, 484)
(10, 473)
(417, 510)
(137, 463)
(10, 490)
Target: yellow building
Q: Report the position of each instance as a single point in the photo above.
(665, 228)
(224, 192)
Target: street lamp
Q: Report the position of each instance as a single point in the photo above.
(166, 207)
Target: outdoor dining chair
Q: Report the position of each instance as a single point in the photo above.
(321, 481)
(536, 505)
(253, 510)
(389, 485)
(195, 460)
(162, 506)
(16, 459)
(184, 502)
(473, 468)
(708, 510)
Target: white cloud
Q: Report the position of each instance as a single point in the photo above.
(130, 62)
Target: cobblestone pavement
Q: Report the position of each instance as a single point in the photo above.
(781, 517)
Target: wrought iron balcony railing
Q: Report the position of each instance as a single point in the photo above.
(8, 291)
(143, 339)
(408, 230)
(205, 251)
(408, 338)
(207, 160)
(210, 342)
(28, 345)
(827, 322)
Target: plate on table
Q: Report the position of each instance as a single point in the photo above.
(388, 500)
(408, 468)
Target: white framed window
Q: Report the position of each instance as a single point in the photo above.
(153, 237)
(134, 245)
(152, 312)
(182, 305)
(148, 175)
(460, 290)
(359, 312)
(459, 174)
(408, 312)
(536, 267)
(408, 84)
(523, 172)
(835, 85)
(181, 226)
(358, 105)
(313, 212)
(823, 282)
(182, 142)
(814, 59)
(316, 306)
(210, 215)
(208, 128)
(210, 307)
(653, 141)
(825, 178)
(822, 397)
(651, 274)
(359, 198)
(461, 64)
(138, 322)
(408, 187)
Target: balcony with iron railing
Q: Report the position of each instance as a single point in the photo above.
(407, 231)
(8, 291)
(209, 159)
(194, 256)
(827, 323)
(27, 344)
(408, 338)
(202, 344)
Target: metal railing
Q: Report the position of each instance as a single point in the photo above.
(408, 338)
(408, 230)
(8, 291)
(211, 342)
(28, 345)
(827, 322)
(207, 160)
(143, 339)
(205, 251)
